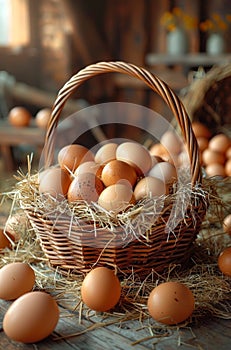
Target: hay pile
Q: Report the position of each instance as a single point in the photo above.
(211, 289)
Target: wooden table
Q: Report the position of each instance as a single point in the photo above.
(14, 136)
(212, 334)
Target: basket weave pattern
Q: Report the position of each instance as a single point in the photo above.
(70, 248)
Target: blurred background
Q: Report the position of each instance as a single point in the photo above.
(43, 43)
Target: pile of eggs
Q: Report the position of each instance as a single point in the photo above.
(215, 151)
(116, 176)
(21, 117)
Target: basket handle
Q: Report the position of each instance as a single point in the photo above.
(156, 84)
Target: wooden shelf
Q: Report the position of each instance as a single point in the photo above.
(15, 136)
(190, 60)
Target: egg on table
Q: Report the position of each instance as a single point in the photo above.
(42, 117)
(16, 279)
(19, 117)
(227, 224)
(31, 318)
(171, 303)
(224, 261)
(101, 289)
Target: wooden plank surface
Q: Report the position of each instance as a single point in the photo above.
(211, 334)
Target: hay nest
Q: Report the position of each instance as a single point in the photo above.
(210, 287)
(208, 100)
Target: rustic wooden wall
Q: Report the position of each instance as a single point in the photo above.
(68, 34)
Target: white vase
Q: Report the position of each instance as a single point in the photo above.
(215, 44)
(177, 42)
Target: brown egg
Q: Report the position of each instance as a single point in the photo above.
(117, 171)
(85, 187)
(101, 289)
(70, 156)
(15, 225)
(203, 143)
(54, 181)
(19, 117)
(159, 150)
(215, 169)
(16, 279)
(31, 318)
(219, 143)
(227, 224)
(42, 118)
(200, 130)
(116, 198)
(228, 153)
(171, 141)
(209, 157)
(6, 239)
(149, 187)
(171, 303)
(106, 153)
(228, 167)
(164, 171)
(136, 155)
(89, 167)
(224, 261)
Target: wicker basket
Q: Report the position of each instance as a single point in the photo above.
(208, 99)
(72, 249)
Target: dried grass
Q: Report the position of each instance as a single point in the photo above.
(211, 289)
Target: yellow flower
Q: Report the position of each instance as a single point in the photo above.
(216, 23)
(177, 18)
(177, 11)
